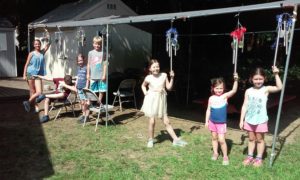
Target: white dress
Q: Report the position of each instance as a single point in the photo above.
(155, 102)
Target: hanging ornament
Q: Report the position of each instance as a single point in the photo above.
(172, 44)
(238, 42)
(80, 36)
(284, 26)
(46, 36)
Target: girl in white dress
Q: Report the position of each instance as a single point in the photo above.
(155, 101)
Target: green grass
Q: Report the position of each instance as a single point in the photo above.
(116, 152)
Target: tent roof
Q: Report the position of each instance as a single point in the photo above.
(86, 9)
(168, 16)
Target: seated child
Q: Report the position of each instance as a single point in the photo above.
(63, 87)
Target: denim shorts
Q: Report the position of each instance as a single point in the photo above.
(81, 94)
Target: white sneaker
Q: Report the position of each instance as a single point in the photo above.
(150, 143)
(179, 142)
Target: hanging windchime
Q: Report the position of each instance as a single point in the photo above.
(237, 43)
(172, 44)
(46, 36)
(80, 36)
(284, 24)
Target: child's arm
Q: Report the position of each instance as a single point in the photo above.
(278, 87)
(26, 65)
(88, 71)
(104, 72)
(45, 49)
(207, 114)
(169, 84)
(144, 87)
(234, 87)
(72, 88)
(47, 78)
(244, 110)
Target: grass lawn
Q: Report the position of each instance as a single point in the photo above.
(65, 150)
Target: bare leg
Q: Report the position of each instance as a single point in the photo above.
(251, 143)
(38, 90)
(151, 128)
(100, 97)
(169, 128)
(260, 144)
(31, 86)
(214, 142)
(223, 144)
(46, 106)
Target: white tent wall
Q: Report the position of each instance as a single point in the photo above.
(129, 48)
(8, 64)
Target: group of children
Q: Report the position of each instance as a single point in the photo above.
(253, 119)
(90, 75)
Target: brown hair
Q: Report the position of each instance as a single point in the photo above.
(68, 80)
(215, 82)
(152, 61)
(257, 71)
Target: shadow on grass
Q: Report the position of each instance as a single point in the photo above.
(164, 135)
(24, 153)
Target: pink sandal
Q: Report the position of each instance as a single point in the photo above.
(258, 162)
(249, 160)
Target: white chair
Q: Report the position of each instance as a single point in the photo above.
(125, 92)
(90, 95)
(59, 103)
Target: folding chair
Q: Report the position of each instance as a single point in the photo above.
(125, 90)
(90, 95)
(69, 101)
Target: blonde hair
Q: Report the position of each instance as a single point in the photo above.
(97, 39)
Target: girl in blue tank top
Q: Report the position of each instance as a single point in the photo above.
(216, 115)
(34, 66)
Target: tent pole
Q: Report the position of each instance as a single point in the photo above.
(189, 64)
(283, 87)
(28, 39)
(107, 64)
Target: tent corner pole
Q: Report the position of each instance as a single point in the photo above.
(107, 64)
(272, 157)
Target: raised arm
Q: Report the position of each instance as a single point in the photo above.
(46, 47)
(26, 65)
(234, 87)
(278, 87)
(244, 110)
(169, 84)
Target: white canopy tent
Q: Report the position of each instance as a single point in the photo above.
(192, 14)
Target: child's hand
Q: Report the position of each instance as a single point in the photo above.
(206, 124)
(275, 70)
(235, 76)
(62, 83)
(172, 74)
(103, 78)
(242, 125)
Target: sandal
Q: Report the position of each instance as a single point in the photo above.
(249, 160)
(258, 162)
(225, 161)
(214, 157)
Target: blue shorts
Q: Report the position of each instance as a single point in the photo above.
(98, 86)
(81, 94)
